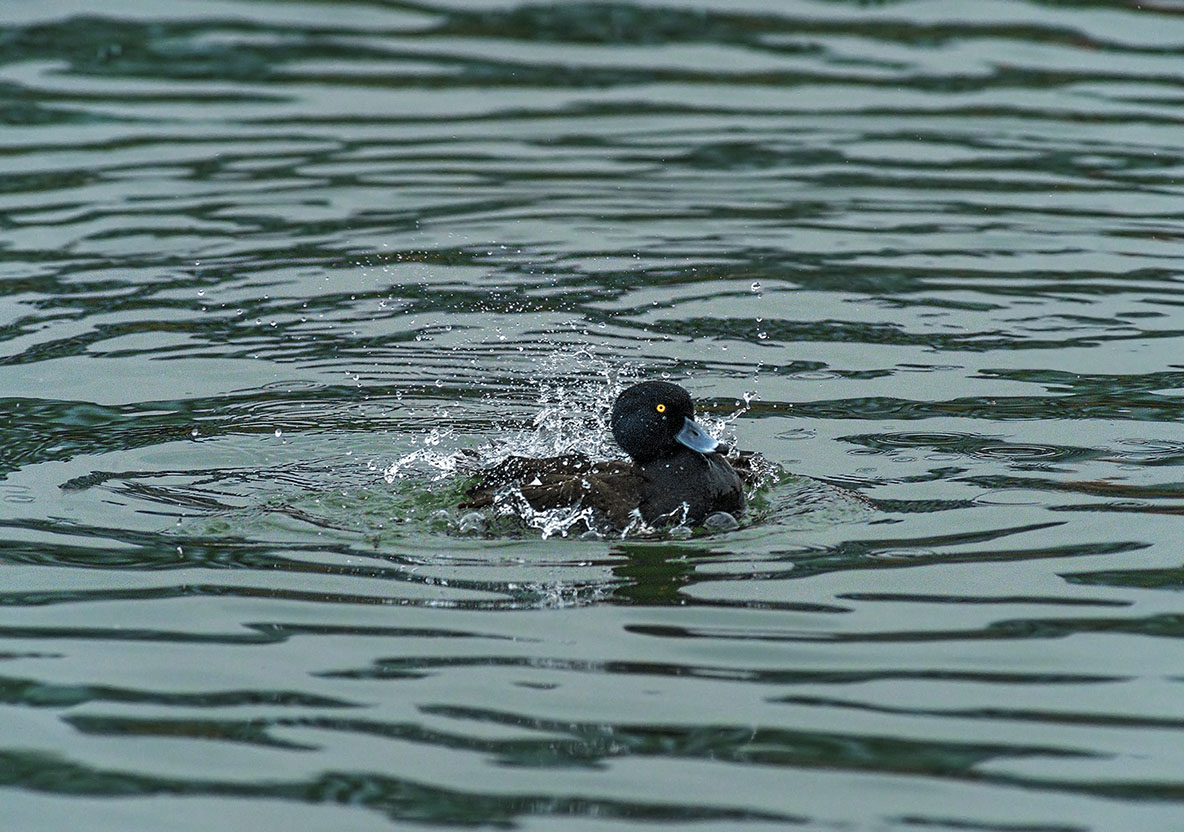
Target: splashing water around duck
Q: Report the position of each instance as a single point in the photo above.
(573, 417)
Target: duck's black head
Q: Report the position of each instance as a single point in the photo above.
(656, 419)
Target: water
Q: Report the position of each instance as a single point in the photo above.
(253, 255)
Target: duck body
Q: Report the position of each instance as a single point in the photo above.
(703, 483)
(677, 472)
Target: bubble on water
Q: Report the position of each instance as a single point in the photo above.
(720, 521)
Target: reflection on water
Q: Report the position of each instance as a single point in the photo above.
(268, 271)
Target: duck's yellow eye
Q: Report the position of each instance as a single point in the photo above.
(661, 408)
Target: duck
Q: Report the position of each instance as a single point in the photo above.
(677, 473)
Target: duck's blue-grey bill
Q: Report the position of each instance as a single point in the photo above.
(696, 438)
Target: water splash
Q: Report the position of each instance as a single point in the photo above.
(438, 464)
(574, 402)
(549, 522)
(574, 406)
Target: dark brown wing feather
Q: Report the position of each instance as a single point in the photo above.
(614, 489)
(515, 470)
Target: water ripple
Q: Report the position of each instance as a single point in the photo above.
(269, 276)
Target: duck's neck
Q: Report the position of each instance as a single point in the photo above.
(671, 453)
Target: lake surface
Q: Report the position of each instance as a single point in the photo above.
(268, 269)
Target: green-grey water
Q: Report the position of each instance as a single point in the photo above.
(267, 270)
